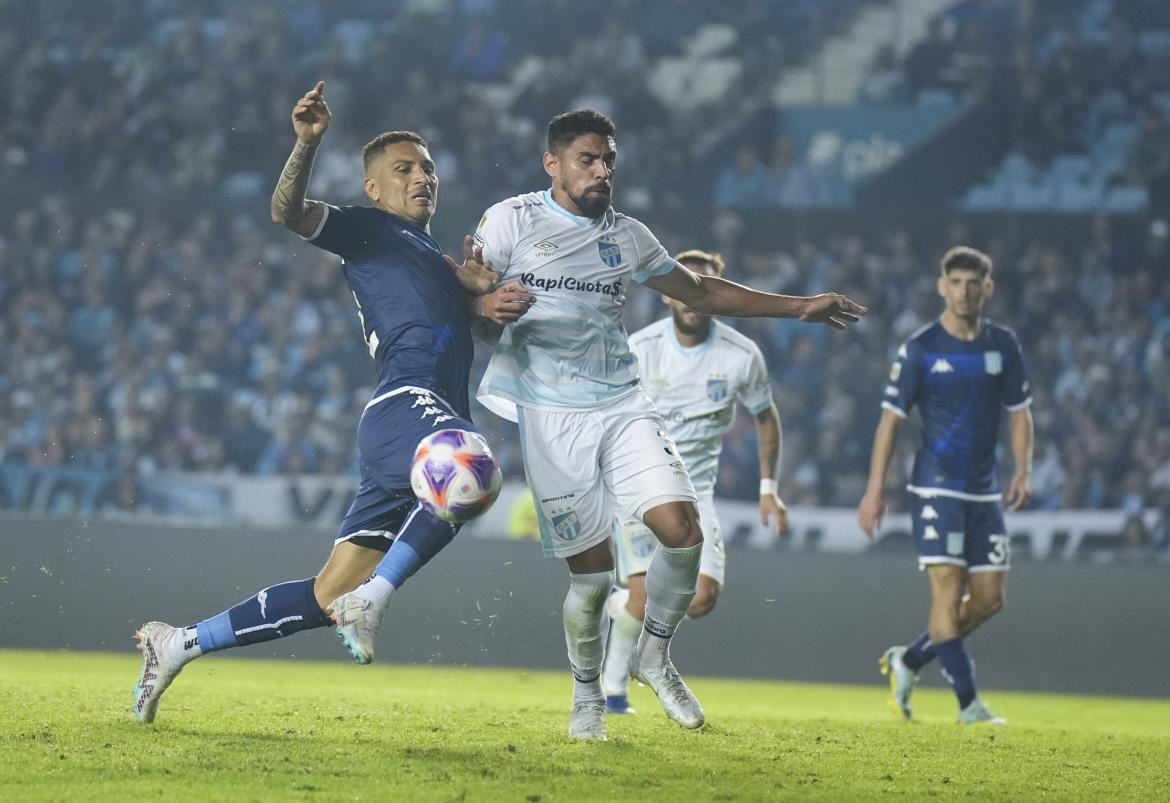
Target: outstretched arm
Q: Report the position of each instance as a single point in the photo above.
(310, 118)
(712, 295)
(769, 437)
(872, 508)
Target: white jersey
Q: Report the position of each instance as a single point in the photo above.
(696, 389)
(570, 351)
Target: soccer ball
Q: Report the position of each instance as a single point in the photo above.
(454, 475)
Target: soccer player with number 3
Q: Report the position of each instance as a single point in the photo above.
(960, 371)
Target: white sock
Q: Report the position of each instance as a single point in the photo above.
(584, 614)
(189, 643)
(377, 590)
(623, 637)
(671, 582)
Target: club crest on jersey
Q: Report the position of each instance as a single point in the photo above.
(566, 525)
(993, 362)
(611, 253)
(717, 389)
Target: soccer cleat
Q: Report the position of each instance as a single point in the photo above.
(976, 713)
(587, 722)
(677, 700)
(903, 679)
(618, 704)
(357, 621)
(162, 649)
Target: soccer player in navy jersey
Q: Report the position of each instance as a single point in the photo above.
(416, 310)
(960, 371)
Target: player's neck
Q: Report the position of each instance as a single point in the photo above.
(960, 327)
(566, 203)
(689, 341)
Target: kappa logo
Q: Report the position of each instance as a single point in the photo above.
(929, 513)
(941, 366)
(930, 534)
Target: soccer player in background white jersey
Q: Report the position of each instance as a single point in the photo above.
(696, 370)
(593, 444)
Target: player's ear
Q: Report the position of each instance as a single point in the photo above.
(942, 286)
(371, 188)
(988, 287)
(550, 163)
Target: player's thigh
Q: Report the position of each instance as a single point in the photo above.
(988, 547)
(947, 583)
(640, 463)
(561, 462)
(389, 432)
(939, 531)
(376, 515)
(714, 560)
(988, 590)
(633, 545)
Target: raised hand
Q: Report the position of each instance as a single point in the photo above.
(311, 115)
(476, 276)
(834, 309)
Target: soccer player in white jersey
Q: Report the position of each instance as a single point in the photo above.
(696, 370)
(593, 444)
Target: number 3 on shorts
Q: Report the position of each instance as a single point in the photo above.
(1001, 549)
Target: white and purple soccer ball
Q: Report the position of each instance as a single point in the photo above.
(455, 475)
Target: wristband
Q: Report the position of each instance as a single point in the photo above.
(768, 487)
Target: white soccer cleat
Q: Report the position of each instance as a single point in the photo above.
(976, 713)
(587, 722)
(162, 650)
(678, 701)
(903, 679)
(357, 620)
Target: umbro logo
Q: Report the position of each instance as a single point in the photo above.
(941, 366)
(545, 247)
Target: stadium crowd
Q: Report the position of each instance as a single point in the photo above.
(141, 335)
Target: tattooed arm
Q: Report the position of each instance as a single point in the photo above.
(310, 118)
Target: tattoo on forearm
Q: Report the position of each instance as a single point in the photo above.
(289, 197)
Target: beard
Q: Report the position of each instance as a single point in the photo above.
(590, 202)
(691, 326)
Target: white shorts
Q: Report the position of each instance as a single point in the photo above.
(634, 544)
(587, 467)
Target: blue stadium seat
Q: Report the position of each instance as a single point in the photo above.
(1126, 200)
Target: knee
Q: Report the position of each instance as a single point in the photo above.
(680, 530)
(991, 604)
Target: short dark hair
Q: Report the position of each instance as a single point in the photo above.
(963, 257)
(708, 258)
(373, 149)
(564, 128)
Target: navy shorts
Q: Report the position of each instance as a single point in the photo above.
(960, 532)
(387, 435)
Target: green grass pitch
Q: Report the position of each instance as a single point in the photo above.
(233, 729)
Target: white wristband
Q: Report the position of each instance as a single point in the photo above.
(768, 487)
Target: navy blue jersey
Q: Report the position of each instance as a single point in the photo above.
(412, 308)
(961, 387)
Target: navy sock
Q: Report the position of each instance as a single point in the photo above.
(957, 669)
(275, 612)
(421, 538)
(919, 654)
